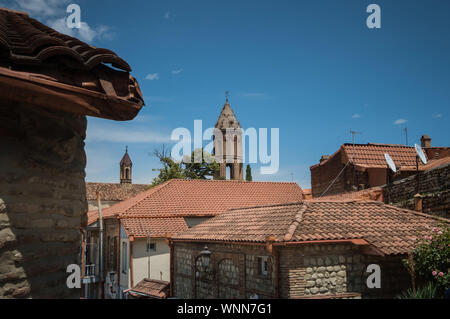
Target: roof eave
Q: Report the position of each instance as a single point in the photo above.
(21, 87)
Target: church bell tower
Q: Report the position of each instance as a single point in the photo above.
(125, 168)
(230, 143)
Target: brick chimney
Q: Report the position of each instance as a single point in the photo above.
(425, 141)
(418, 200)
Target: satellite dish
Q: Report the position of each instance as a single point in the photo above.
(390, 162)
(420, 153)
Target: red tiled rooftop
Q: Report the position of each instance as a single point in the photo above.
(162, 208)
(371, 155)
(178, 197)
(158, 227)
(151, 288)
(113, 191)
(389, 229)
(42, 66)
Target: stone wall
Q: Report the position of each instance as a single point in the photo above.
(235, 272)
(321, 270)
(42, 200)
(314, 270)
(434, 188)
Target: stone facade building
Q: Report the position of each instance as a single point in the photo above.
(432, 187)
(360, 166)
(310, 249)
(49, 82)
(143, 223)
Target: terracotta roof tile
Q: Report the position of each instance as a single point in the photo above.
(151, 288)
(113, 191)
(389, 229)
(158, 227)
(44, 67)
(179, 197)
(371, 155)
(165, 205)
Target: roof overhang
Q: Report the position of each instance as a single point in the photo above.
(39, 90)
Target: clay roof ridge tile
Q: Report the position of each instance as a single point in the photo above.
(297, 220)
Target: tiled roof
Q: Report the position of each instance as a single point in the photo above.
(151, 288)
(116, 208)
(373, 193)
(389, 229)
(48, 68)
(158, 227)
(178, 197)
(113, 191)
(371, 155)
(161, 208)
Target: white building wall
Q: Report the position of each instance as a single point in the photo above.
(159, 260)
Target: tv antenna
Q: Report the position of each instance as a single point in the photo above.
(354, 133)
(420, 155)
(406, 134)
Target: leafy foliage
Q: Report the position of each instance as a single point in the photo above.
(248, 173)
(429, 291)
(187, 169)
(430, 260)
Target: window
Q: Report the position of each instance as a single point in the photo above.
(151, 247)
(262, 262)
(124, 258)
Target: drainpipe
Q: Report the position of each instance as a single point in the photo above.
(100, 223)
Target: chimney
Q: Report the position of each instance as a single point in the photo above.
(324, 158)
(418, 202)
(425, 141)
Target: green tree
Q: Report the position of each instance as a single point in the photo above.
(187, 169)
(248, 173)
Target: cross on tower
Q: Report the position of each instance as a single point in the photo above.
(227, 94)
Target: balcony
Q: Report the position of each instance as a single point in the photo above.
(90, 275)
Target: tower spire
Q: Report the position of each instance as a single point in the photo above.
(125, 168)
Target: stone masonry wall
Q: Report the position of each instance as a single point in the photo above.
(42, 200)
(314, 270)
(235, 272)
(434, 188)
(321, 270)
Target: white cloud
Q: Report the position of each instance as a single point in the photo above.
(152, 76)
(356, 116)
(53, 13)
(400, 121)
(40, 8)
(438, 115)
(167, 15)
(177, 71)
(123, 134)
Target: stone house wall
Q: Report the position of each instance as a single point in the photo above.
(434, 188)
(319, 270)
(236, 272)
(42, 200)
(313, 270)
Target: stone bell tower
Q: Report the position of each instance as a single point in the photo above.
(125, 168)
(230, 142)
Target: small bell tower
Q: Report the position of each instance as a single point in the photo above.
(231, 154)
(125, 168)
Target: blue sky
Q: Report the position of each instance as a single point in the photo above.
(310, 68)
